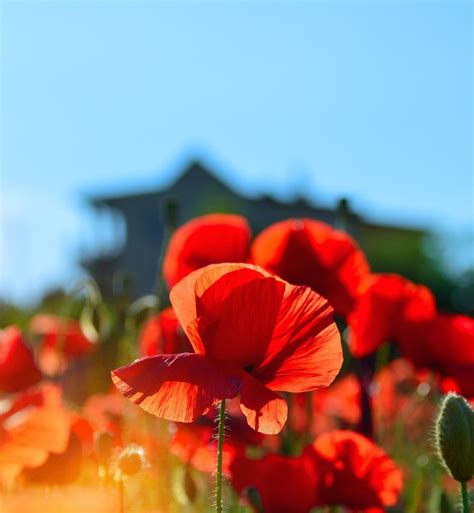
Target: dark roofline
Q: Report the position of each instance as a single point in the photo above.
(193, 164)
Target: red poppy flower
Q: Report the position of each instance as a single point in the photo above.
(209, 239)
(461, 385)
(34, 426)
(17, 366)
(389, 302)
(84, 431)
(444, 344)
(63, 335)
(59, 468)
(106, 412)
(342, 400)
(162, 334)
(312, 253)
(335, 407)
(253, 334)
(354, 472)
(397, 391)
(284, 483)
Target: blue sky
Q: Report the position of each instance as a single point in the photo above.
(370, 100)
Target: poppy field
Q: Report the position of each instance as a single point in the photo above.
(269, 373)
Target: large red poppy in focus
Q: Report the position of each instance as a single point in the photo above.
(388, 303)
(354, 472)
(312, 253)
(252, 333)
(285, 484)
(209, 239)
(17, 366)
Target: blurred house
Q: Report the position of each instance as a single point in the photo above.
(198, 191)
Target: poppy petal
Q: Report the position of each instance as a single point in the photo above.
(239, 328)
(17, 366)
(162, 334)
(282, 334)
(305, 352)
(33, 427)
(312, 253)
(207, 301)
(205, 240)
(387, 305)
(285, 483)
(265, 410)
(444, 344)
(64, 335)
(178, 387)
(354, 472)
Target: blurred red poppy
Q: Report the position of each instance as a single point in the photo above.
(353, 472)
(209, 239)
(34, 426)
(63, 335)
(397, 393)
(444, 344)
(59, 468)
(252, 333)
(335, 407)
(312, 253)
(285, 484)
(106, 412)
(17, 366)
(341, 400)
(387, 304)
(162, 334)
(84, 431)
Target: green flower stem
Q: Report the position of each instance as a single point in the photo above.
(464, 497)
(220, 446)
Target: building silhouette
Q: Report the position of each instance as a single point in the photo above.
(197, 191)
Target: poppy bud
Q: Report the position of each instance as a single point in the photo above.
(103, 446)
(131, 460)
(454, 431)
(252, 496)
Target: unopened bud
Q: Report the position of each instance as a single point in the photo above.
(455, 436)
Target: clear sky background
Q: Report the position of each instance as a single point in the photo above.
(369, 100)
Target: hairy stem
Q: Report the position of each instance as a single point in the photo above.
(220, 446)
